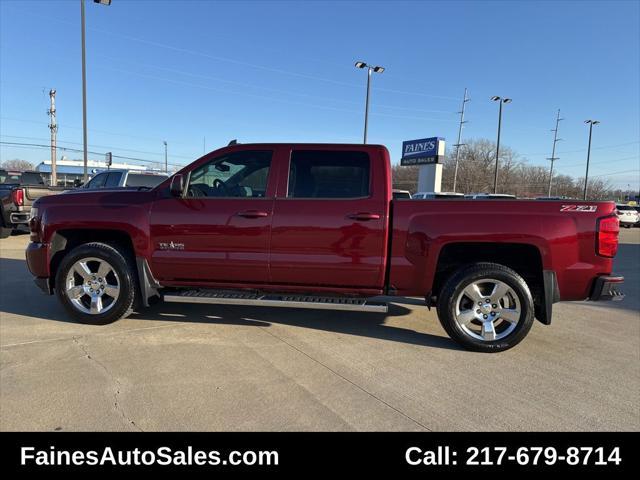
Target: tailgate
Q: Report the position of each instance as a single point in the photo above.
(32, 193)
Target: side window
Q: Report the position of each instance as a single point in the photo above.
(113, 179)
(328, 174)
(98, 181)
(240, 174)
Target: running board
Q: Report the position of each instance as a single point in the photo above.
(276, 300)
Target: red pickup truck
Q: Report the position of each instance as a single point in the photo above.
(315, 226)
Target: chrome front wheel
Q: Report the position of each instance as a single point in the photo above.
(92, 286)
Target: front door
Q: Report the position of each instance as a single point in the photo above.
(219, 231)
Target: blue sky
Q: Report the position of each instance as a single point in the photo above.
(283, 71)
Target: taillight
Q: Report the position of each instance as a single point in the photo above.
(34, 225)
(17, 197)
(607, 240)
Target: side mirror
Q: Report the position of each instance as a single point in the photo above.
(177, 185)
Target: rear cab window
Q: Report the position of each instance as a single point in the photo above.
(31, 178)
(329, 174)
(144, 180)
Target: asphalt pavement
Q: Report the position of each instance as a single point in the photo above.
(199, 367)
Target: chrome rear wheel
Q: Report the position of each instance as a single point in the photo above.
(487, 310)
(486, 307)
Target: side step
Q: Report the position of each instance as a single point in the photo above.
(276, 300)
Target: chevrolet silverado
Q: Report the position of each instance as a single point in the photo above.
(315, 226)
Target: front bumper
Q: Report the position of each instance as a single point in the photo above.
(37, 255)
(607, 287)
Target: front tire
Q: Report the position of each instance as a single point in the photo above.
(486, 307)
(96, 284)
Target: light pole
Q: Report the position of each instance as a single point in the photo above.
(84, 86)
(591, 123)
(166, 165)
(501, 101)
(370, 69)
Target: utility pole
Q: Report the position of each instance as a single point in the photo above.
(553, 151)
(166, 165)
(53, 126)
(458, 145)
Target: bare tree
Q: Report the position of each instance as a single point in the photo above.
(515, 176)
(16, 164)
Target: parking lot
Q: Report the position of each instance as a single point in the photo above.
(198, 367)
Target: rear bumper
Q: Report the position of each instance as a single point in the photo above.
(607, 287)
(19, 218)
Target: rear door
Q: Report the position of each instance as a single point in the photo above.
(330, 219)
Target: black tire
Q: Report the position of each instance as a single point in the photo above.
(122, 265)
(456, 283)
(5, 232)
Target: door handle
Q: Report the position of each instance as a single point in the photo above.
(253, 214)
(364, 216)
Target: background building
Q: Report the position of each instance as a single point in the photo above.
(68, 171)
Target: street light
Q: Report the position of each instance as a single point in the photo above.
(376, 69)
(501, 101)
(591, 123)
(84, 85)
(166, 165)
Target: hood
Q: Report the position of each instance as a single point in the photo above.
(99, 197)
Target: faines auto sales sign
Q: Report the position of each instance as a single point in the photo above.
(423, 151)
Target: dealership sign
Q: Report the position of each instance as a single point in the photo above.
(422, 152)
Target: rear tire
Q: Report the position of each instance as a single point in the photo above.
(486, 307)
(96, 283)
(5, 232)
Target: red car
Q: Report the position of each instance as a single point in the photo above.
(315, 226)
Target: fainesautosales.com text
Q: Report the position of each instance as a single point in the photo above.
(160, 456)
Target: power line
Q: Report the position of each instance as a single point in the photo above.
(71, 127)
(36, 145)
(98, 146)
(261, 87)
(274, 99)
(584, 149)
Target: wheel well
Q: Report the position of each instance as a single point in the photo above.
(63, 241)
(522, 258)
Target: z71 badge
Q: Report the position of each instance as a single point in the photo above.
(578, 208)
